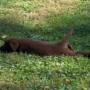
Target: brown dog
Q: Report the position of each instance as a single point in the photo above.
(41, 47)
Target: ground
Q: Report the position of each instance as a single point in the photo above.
(46, 20)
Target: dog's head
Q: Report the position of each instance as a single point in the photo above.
(10, 45)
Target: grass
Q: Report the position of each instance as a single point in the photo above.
(45, 20)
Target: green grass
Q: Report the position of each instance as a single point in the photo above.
(45, 20)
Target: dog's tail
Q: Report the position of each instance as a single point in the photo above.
(85, 54)
(66, 38)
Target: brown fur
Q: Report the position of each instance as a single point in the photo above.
(41, 47)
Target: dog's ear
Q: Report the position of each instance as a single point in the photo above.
(14, 45)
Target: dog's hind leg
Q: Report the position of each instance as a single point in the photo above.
(64, 41)
(66, 38)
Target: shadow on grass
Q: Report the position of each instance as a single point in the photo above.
(13, 29)
(56, 25)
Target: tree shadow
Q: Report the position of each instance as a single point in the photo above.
(15, 29)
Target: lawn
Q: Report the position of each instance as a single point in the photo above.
(46, 20)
